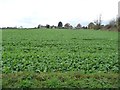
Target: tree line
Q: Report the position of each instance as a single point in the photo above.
(96, 25)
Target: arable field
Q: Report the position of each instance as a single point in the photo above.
(57, 58)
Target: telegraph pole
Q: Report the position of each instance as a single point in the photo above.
(119, 9)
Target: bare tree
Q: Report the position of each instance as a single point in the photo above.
(98, 23)
(111, 25)
(79, 26)
(67, 26)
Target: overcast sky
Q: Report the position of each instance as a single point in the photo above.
(30, 13)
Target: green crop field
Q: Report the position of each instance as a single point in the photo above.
(57, 58)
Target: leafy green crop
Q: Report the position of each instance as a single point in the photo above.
(39, 50)
(59, 58)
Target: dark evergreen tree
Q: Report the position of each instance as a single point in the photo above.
(47, 26)
(39, 26)
(60, 25)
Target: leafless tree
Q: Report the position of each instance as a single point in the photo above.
(79, 26)
(98, 23)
